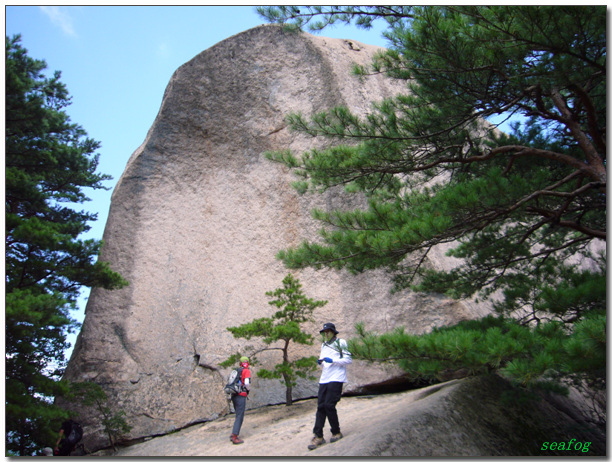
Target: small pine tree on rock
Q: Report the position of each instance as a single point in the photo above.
(91, 394)
(283, 327)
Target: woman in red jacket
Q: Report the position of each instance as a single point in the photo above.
(240, 399)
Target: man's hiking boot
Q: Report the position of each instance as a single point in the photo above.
(316, 442)
(234, 439)
(335, 437)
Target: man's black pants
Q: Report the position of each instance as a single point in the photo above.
(65, 449)
(329, 395)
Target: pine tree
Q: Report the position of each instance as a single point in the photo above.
(48, 162)
(284, 326)
(91, 394)
(531, 356)
(522, 209)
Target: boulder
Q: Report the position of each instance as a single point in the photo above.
(195, 223)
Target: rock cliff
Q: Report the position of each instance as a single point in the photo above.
(197, 218)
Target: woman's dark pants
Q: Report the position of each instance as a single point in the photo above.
(239, 407)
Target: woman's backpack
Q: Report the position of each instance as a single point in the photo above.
(234, 383)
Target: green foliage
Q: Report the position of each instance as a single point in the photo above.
(525, 212)
(362, 16)
(92, 394)
(530, 356)
(434, 173)
(287, 372)
(235, 358)
(48, 162)
(284, 326)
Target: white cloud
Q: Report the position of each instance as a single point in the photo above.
(60, 18)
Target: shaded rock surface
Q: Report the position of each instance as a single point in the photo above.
(476, 417)
(196, 220)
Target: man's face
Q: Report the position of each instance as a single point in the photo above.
(328, 335)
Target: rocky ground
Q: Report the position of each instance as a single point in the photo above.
(467, 417)
(275, 430)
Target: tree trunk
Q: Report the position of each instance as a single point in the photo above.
(288, 392)
(288, 395)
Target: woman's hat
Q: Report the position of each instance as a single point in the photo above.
(244, 359)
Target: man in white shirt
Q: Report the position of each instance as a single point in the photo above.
(334, 358)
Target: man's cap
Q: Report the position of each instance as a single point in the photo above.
(244, 359)
(329, 326)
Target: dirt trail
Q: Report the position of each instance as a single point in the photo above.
(276, 430)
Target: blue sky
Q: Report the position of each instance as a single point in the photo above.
(116, 62)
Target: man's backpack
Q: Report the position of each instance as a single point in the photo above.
(335, 345)
(234, 384)
(75, 435)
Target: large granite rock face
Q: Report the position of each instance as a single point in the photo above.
(196, 220)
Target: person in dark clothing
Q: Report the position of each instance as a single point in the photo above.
(63, 447)
(239, 400)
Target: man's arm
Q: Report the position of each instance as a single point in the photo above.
(246, 382)
(61, 433)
